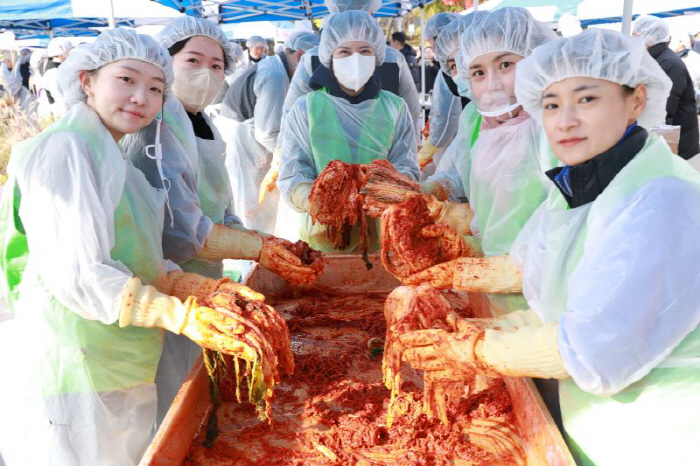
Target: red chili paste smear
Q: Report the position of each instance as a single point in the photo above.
(333, 408)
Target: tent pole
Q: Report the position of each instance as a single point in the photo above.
(476, 5)
(422, 68)
(627, 17)
(112, 23)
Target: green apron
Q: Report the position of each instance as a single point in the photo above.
(79, 355)
(328, 143)
(659, 409)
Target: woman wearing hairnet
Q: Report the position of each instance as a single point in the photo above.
(506, 181)
(348, 118)
(394, 72)
(446, 103)
(83, 266)
(200, 229)
(609, 261)
(446, 181)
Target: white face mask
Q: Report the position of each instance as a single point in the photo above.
(196, 88)
(497, 103)
(354, 71)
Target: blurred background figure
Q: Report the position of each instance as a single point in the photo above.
(398, 42)
(681, 43)
(37, 63)
(681, 107)
(50, 98)
(14, 94)
(24, 69)
(432, 67)
(253, 106)
(257, 49)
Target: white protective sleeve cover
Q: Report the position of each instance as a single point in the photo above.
(444, 113)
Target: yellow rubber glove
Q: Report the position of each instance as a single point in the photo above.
(233, 242)
(454, 214)
(300, 196)
(526, 352)
(269, 183)
(144, 306)
(439, 276)
(495, 274)
(426, 154)
(277, 257)
(447, 355)
(435, 189)
(529, 351)
(184, 284)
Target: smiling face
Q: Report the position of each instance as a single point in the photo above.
(351, 48)
(126, 94)
(492, 80)
(584, 117)
(200, 52)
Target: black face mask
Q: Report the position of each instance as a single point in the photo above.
(255, 60)
(451, 85)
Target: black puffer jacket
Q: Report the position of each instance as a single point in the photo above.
(410, 56)
(680, 107)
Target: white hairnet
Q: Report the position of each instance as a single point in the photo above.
(110, 46)
(437, 22)
(510, 29)
(255, 40)
(448, 40)
(654, 30)
(595, 53)
(349, 26)
(301, 40)
(185, 27)
(338, 6)
(58, 46)
(236, 51)
(569, 25)
(36, 58)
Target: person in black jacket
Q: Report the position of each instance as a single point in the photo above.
(680, 107)
(398, 41)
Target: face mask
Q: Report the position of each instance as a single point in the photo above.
(196, 88)
(451, 85)
(354, 71)
(497, 103)
(462, 86)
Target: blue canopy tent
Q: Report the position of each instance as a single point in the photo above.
(50, 18)
(236, 11)
(45, 18)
